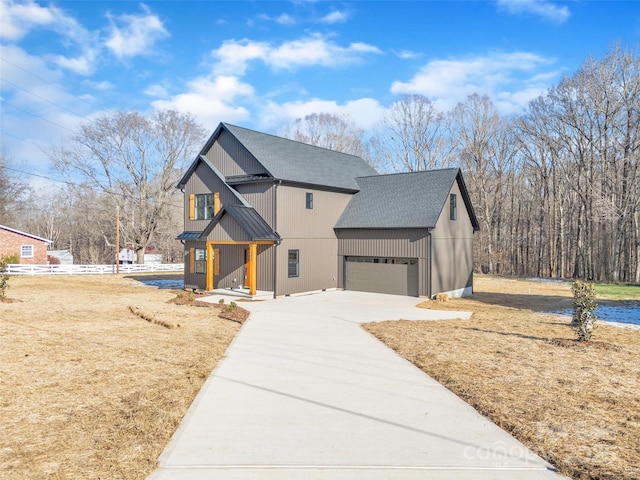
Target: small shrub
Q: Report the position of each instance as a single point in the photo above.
(232, 306)
(4, 276)
(583, 306)
(192, 296)
(221, 301)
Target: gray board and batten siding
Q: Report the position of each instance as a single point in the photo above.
(311, 232)
(347, 226)
(452, 249)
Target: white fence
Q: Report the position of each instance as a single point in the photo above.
(17, 269)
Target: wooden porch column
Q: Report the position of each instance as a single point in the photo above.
(209, 266)
(253, 267)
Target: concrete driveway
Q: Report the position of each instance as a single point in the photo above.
(306, 393)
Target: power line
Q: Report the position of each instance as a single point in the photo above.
(38, 77)
(43, 98)
(38, 116)
(95, 189)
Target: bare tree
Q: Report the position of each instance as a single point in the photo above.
(134, 160)
(412, 137)
(484, 144)
(328, 130)
(13, 193)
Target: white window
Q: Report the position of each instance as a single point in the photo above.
(26, 251)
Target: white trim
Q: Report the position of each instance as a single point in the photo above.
(458, 293)
(25, 234)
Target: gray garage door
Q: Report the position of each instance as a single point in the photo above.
(397, 276)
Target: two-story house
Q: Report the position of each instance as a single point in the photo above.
(272, 214)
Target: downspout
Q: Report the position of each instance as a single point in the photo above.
(429, 266)
(275, 245)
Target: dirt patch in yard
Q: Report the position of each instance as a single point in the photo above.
(88, 389)
(574, 403)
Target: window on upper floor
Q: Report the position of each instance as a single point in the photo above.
(294, 263)
(453, 206)
(26, 251)
(204, 206)
(309, 200)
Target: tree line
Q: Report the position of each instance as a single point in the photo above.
(556, 189)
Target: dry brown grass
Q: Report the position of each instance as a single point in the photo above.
(576, 404)
(87, 388)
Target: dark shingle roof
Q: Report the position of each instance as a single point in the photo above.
(301, 163)
(401, 200)
(248, 219)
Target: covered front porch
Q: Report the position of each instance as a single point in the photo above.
(245, 271)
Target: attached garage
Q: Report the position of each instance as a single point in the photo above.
(396, 276)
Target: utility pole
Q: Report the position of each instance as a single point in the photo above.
(117, 239)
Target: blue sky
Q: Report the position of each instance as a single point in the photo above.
(263, 64)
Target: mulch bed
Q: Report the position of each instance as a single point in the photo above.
(228, 312)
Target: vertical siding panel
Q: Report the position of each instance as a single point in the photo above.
(452, 249)
(192, 279)
(318, 267)
(295, 220)
(310, 231)
(231, 266)
(231, 158)
(204, 181)
(260, 196)
(265, 267)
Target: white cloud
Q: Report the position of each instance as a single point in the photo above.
(133, 35)
(335, 17)
(234, 56)
(18, 18)
(365, 112)
(100, 86)
(541, 8)
(285, 19)
(407, 54)
(156, 91)
(83, 64)
(211, 100)
(516, 78)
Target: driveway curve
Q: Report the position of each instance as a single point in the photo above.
(305, 393)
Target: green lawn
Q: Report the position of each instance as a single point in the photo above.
(617, 292)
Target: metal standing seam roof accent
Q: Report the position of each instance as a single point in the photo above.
(189, 236)
(299, 162)
(401, 200)
(248, 219)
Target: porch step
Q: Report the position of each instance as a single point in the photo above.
(229, 294)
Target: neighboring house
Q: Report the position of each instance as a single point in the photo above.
(60, 257)
(31, 249)
(129, 255)
(281, 216)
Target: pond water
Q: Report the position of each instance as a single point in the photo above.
(625, 312)
(164, 284)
